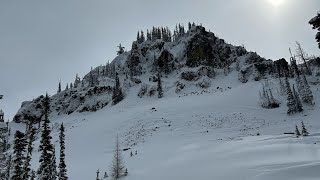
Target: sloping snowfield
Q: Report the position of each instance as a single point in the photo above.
(219, 135)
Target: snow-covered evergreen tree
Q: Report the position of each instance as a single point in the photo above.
(159, 86)
(117, 95)
(77, 81)
(62, 164)
(306, 95)
(291, 101)
(53, 166)
(121, 49)
(282, 87)
(33, 175)
(46, 147)
(19, 149)
(299, 107)
(304, 131)
(27, 166)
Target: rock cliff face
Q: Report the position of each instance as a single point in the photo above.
(196, 56)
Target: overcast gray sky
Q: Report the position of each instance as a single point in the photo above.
(42, 42)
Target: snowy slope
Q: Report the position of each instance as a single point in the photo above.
(212, 135)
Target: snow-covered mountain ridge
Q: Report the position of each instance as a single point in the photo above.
(188, 63)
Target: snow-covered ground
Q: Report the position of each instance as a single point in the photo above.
(207, 136)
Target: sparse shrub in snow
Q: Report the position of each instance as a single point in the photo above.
(152, 90)
(189, 76)
(179, 86)
(153, 78)
(206, 71)
(205, 82)
(267, 100)
(143, 90)
(136, 80)
(242, 76)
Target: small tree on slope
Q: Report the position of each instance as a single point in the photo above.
(159, 88)
(298, 101)
(62, 165)
(291, 102)
(297, 132)
(117, 166)
(307, 96)
(304, 131)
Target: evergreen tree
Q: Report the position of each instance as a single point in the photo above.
(19, 149)
(121, 50)
(71, 86)
(297, 132)
(91, 80)
(159, 87)
(97, 178)
(67, 87)
(189, 26)
(138, 37)
(302, 55)
(33, 175)
(134, 61)
(53, 166)
(142, 38)
(304, 131)
(298, 101)
(291, 101)
(148, 36)
(77, 81)
(300, 84)
(307, 96)
(62, 165)
(46, 147)
(315, 22)
(8, 168)
(117, 166)
(59, 87)
(27, 166)
(282, 87)
(117, 95)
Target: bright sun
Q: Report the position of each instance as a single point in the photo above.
(276, 3)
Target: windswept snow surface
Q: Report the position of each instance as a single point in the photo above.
(206, 136)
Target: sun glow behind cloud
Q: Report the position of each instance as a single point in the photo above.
(276, 3)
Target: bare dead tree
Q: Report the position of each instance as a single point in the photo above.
(303, 57)
(117, 166)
